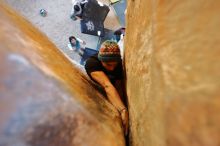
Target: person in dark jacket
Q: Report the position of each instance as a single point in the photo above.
(77, 9)
(105, 68)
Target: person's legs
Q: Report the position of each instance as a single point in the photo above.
(82, 61)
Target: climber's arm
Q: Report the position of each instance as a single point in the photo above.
(110, 90)
(113, 96)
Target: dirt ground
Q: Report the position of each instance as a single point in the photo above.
(57, 25)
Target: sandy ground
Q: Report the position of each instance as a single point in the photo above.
(57, 25)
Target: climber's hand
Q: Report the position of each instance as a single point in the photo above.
(124, 117)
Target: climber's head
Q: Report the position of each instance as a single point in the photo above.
(109, 55)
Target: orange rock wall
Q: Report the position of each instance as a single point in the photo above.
(172, 59)
(45, 100)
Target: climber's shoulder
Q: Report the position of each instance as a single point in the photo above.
(93, 64)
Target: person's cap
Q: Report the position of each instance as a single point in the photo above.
(109, 51)
(77, 8)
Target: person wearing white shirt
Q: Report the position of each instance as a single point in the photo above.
(76, 44)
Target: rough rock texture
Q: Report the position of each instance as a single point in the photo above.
(172, 57)
(45, 100)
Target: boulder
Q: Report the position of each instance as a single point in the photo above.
(173, 72)
(45, 99)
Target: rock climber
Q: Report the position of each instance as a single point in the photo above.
(105, 68)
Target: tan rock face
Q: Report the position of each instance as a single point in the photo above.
(44, 99)
(173, 72)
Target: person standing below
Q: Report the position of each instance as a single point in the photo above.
(105, 68)
(118, 33)
(76, 44)
(77, 9)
